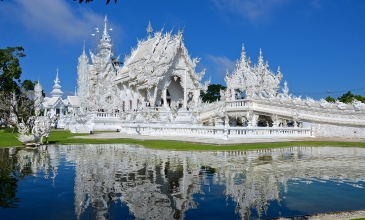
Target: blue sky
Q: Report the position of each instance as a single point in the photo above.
(319, 45)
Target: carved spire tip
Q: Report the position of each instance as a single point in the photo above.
(149, 29)
(83, 48)
(105, 25)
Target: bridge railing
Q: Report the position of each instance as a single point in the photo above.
(236, 103)
(215, 132)
(106, 115)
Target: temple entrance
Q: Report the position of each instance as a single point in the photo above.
(174, 91)
(168, 102)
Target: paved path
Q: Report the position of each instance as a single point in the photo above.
(205, 140)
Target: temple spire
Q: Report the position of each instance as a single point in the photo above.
(105, 45)
(243, 54)
(261, 60)
(149, 29)
(105, 25)
(57, 81)
(83, 48)
(56, 92)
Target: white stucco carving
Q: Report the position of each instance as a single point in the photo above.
(41, 127)
(157, 84)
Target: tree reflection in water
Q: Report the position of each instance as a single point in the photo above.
(162, 184)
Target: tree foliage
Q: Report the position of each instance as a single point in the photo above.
(10, 70)
(346, 98)
(330, 99)
(213, 93)
(17, 101)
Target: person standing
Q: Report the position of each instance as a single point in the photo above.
(55, 124)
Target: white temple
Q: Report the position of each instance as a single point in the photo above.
(55, 104)
(156, 91)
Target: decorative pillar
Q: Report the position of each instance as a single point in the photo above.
(164, 97)
(185, 92)
(196, 99)
(275, 120)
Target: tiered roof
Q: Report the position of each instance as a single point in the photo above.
(151, 60)
(56, 92)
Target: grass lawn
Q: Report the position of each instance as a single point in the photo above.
(64, 137)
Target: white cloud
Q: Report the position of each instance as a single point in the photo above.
(54, 18)
(219, 65)
(257, 10)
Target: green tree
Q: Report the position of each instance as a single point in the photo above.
(330, 99)
(16, 97)
(360, 98)
(346, 97)
(10, 70)
(213, 93)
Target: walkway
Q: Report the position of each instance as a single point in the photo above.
(205, 140)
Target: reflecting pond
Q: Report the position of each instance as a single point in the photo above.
(128, 182)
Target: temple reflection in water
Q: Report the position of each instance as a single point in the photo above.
(156, 184)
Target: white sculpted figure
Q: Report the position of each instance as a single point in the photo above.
(323, 103)
(41, 128)
(38, 98)
(295, 100)
(23, 136)
(309, 101)
(295, 116)
(340, 105)
(358, 105)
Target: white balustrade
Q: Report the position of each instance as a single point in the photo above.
(106, 115)
(236, 103)
(216, 132)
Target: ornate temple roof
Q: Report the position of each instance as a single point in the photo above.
(53, 102)
(73, 101)
(154, 56)
(257, 80)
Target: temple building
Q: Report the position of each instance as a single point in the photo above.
(157, 73)
(157, 84)
(55, 104)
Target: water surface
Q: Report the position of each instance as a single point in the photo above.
(128, 182)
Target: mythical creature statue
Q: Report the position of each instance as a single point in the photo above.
(358, 105)
(173, 111)
(223, 95)
(40, 129)
(295, 116)
(23, 136)
(295, 100)
(340, 105)
(309, 101)
(42, 126)
(323, 103)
